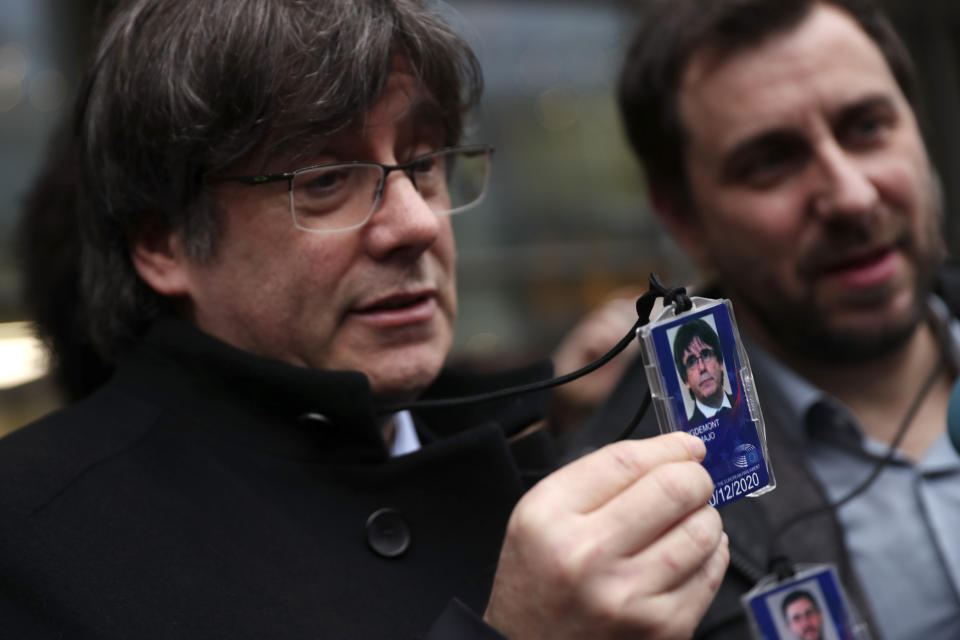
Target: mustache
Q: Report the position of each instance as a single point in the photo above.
(849, 239)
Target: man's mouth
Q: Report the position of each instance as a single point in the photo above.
(398, 309)
(396, 302)
(862, 269)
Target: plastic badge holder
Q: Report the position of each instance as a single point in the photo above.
(812, 603)
(686, 397)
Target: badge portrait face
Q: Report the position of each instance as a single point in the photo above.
(701, 366)
(803, 616)
(703, 371)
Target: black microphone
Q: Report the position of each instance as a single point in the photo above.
(953, 416)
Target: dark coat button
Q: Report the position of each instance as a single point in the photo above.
(316, 418)
(387, 533)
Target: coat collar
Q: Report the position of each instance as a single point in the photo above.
(296, 411)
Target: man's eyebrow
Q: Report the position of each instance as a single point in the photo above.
(779, 136)
(880, 101)
(787, 135)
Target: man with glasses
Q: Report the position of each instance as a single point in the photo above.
(268, 258)
(699, 360)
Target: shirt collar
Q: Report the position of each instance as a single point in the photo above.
(788, 397)
(708, 411)
(405, 439)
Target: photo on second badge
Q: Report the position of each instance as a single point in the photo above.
(809, 606)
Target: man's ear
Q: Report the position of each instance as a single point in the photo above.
(160, 259)
(679, 217)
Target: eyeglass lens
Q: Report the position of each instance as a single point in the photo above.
(705, 356)
(344, 196)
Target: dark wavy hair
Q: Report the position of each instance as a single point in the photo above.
(182, 89)
(672, 31)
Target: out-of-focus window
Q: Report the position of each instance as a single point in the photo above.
(566, 220)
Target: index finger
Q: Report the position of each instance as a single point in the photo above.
(590, 482)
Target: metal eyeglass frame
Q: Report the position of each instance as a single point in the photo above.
(385, 169)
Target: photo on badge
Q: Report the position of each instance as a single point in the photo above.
(811, 605)
(700, 382)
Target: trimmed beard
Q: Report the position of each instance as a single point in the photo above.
(800, 328)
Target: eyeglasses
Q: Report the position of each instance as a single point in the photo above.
(706, 355)
(342, 196)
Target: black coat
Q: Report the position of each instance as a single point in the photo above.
(207, 493)
(696, 417)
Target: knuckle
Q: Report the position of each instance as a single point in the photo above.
(715, 569)
(528, 520)
(636, 458)
(602, 610)
(704, 529)
(685, 483)
(624, 456)
(659, 621)
(562, 551)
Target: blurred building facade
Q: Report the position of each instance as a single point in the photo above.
(566, 219)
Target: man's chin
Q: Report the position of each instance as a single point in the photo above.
(399, 367)
(402, 377)
(709, 394)
(715, 400)
(852, 341)
(846, 335)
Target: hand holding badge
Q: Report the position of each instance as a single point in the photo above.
(708, 364)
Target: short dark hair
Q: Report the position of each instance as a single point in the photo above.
(793, 596)
(672, 31)
(685, 336)
(179, 90)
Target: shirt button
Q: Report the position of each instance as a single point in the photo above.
(387, 533)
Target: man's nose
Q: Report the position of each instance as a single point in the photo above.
(845, 187)
(403, 221)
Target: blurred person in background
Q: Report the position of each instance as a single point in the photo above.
(783, 152)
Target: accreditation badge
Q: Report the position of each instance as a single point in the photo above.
(809, 605)
(700, 382)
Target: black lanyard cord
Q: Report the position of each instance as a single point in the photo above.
(671, 295)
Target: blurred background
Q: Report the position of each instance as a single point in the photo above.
(565, 222)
